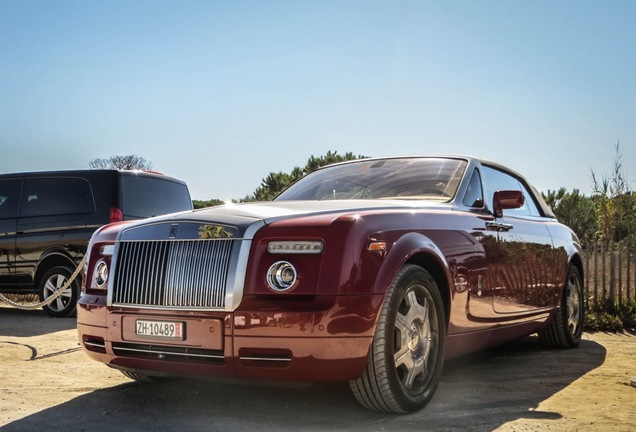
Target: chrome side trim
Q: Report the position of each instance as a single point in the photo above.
(95, 344)
(266, 359)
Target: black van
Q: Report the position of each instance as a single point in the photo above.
(47, 219)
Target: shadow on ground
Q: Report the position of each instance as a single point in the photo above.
(12, 322)
(477, 392)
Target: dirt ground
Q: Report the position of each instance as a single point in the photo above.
(48, 384)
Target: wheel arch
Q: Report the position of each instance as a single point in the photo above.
(439, 272)
(577, 262)
(418, 249)
(52, 258)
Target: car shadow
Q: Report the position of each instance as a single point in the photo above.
(12, 322)
(477, 392)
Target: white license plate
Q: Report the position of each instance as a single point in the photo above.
(161, 329)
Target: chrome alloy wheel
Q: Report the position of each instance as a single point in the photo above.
(52, 285)
(573, 302)
(416, 334)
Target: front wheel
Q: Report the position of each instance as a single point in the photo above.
(407, 353)
(567, 327)
(52, 281)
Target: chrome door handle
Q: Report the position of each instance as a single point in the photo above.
(498, 226)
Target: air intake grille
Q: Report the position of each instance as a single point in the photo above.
(172, 273)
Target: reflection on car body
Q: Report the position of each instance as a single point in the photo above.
(371, 271)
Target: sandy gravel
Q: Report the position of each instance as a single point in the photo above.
(48, 384)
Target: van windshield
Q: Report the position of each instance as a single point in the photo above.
(143, 197)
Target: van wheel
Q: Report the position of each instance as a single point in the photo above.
(54, 279)
(407, 353)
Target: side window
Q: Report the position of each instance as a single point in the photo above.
(474, 196)
(529, 202)
(9, 198)
(498, 180)
(56, 196)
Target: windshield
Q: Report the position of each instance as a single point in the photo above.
(408, 178)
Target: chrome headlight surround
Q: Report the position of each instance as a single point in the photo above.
(100, 274)
(281, 276)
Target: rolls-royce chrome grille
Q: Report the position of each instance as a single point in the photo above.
(172, 273)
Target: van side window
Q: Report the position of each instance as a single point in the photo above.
(9, 198)
(56, 196)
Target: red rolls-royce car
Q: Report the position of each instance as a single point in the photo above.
(371, 271)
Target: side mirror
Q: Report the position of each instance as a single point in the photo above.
(507, 199)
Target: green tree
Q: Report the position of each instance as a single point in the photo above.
(197, 204)
(129, 162)
(614, 203)
(313, 163)
(575, 210)
(275, 183)
(626, 217)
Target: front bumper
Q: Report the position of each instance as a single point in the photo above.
(305, 345)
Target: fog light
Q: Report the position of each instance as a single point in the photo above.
(101, 274)
(281, 276)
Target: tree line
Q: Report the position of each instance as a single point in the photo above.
(608, 214)
(276, 182)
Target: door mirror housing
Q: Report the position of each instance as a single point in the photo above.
(507, 199)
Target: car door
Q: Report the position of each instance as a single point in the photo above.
(523, 281)
(9, 205)
(481, 271)
(53, 214)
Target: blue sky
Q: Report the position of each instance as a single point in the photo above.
(220, 93)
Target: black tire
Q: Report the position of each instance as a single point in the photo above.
(407, 353)
(66, 304)
(138, 377)
(567, 327)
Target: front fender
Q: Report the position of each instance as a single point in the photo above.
(402, 251)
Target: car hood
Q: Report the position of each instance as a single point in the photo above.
(275, 210)
(245, 215)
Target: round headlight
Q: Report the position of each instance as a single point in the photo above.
(101, 274)
(281, 276)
